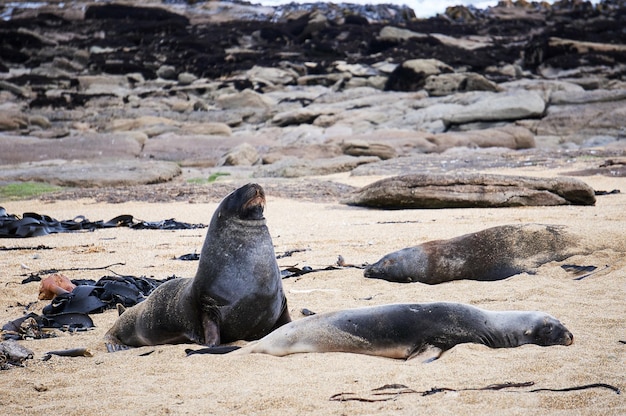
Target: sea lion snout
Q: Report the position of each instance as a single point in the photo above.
(254, 204)
(568, 338)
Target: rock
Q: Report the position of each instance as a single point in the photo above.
(195, 149)
(396, 34)
(363, 148)
(246, 98)
(12, 353)
(446, 84)
(611, 167)
(95, 173)
(291, 167)
(242, 155)
(401, 141)
(13, 121)
(104, 84)
(272, 76)
(144, 124)
(186, 78)
(470, 191)
(217, 129)
(309, 152)
(575, 123)
(299, 116)
(201, 78)
(411, 75)
(15, 89)
(511, 105)
(18, 149)
(511, 137)
(585, 97)
(166, 72)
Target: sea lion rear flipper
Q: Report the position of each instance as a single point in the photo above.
(428, 354)
(219, 349)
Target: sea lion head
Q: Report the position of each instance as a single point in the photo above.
(403, 266)
(246, 203)
(547, 331)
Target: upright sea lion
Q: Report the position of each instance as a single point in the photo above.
(404, 331)
(236, 294)
(491, 254)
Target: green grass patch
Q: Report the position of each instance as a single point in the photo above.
(26, 190)
(212, 178)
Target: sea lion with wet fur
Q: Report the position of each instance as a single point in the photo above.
(236, 294)
(491, 254)
(405, 331)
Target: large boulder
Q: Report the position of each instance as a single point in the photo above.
(471, 191)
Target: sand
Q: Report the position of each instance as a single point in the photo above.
(168, 382)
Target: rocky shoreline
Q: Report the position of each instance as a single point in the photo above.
(106, 95)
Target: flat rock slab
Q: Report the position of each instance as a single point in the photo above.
(471, 190)
(88, 174)
(292, 167)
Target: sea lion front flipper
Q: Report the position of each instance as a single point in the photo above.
(113, 344)
(284, 317)
(211, 320)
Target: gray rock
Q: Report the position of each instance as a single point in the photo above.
(364, 148)
(166, 72)
(446, 84)
(511, 105)
(186, 78)
(87, 174)
(12, 353)
(245, 98)
(15, 89)
(298, 116)
(395, 34)
(243, 155)
(190, 149)
(18, 149)
(473, 190)
(291, 167)
(511, 137)
(585, 97)
(13, 121)
(272, 76)
(411, 74)
(576, 123)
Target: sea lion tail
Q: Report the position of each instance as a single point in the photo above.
(219, 349)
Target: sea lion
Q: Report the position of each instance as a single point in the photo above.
(405, 331)
(491, 254)
(236, 294)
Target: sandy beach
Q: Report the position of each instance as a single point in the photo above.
(168, 382)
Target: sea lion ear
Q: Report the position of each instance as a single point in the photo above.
(120, 309)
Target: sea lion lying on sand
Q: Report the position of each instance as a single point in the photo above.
(404, 331)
